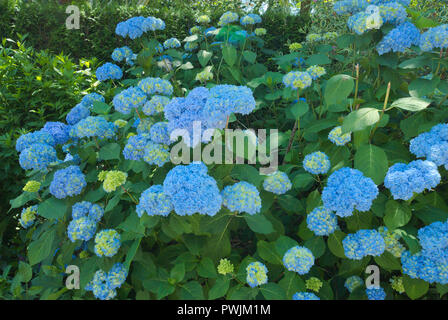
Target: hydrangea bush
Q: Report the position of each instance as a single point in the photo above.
(362, 132)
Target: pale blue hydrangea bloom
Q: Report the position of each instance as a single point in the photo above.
(155, 105)
(37, 156)
(144, 126)
(171, 43)
(277, 182)
(135, 147)
(82, 228)
(257, 274)
(152, 86)
(108, 71)
(338, 138)
(58, 130)
(227, 18)
(191, 46)
(67, 182)
(399, 39)
(77, 113)
(305, 296)
(241, 197)
(107, 243)
(433, 145)
(316, 163)
(157, 154)
(391, 239)
(316, 72)
(89, 99)
(28, 139)
(358, 22)
(116, 276)
(87, 209)
(297, 80)
(351, 283)
(298, 259)
(93, 127)
(434, 38)
(250, 19)
(99, 287)
(375, 293)
(363, 243)
(322, 221)
(403, 180)
(192, 190)
(153, 24)
(28, 216)
(123, 53)
(159, 133)
(129, 99)
(154, 202)
(348, 189)
(393, 13)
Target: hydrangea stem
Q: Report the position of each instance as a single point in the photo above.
(382, 111)
(293, 132)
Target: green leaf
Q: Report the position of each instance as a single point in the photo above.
(249, 56)
(100, 107)
(372, 161)
(316, 245)
(292, 283)
(229, 55)
(258, 223)
(52, 208)
(206, 268)
(299, 109)
(397, 214)
(318, 59)
(110, 151)
(22, 199)
(191, 291)
(40, 249)
(161, 288)
(25, 272)
(388, 261)
(268, 252)
(411, 104)
(178, 272)
(360, 119)
(273, 291)
(219, 289)
(422, 87)
(204, 57)
(334, 243)
(338, 88)
(415, 288)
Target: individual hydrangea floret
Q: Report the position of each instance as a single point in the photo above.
(225, 267)
(67, 182)
(305, 296)
(316, 163)
(257, 274)
(192, 190)
(403, 180)
(338, 138)
(28, 216)
(297, 80)
(375, 293)
(129, 99)
(348, 190)
(363, 243)
(154, 202)
(322, 221)
(58, 130)
(316, 72)
(109, 71)
(277, 182)
(107, 243)
(241, 197)
(352, 282)
(298, 259)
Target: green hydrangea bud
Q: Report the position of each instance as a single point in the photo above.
(397, 284)
(313, 284)
(120, 123)
(295, 46)
(32, 186)
(84, 254)
(204, 76)
(113, 179)
(260, 31)
(225, 267)
(102, 175)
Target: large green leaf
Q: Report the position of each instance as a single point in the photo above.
(411, 104)
(360, 119)
(52, 208)
(372, 161)
(338, 88)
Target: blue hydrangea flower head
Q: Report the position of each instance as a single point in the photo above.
(155, 105)
(87, 209)
(109, 71)
(363, 243)
(351, 283)
(403, 180)
(156, 154)
(153, 24)
(298, 259)
(348, 189)
(37, 156)
(227, 18)
(257, 274)
(116, 276)
(90, 98)
(82, 228)
(250, 19)
(358, 22)
(433, 145)
(434, 38)
(171, 43)
(192, 190)
(159, 133)
(28, 216)
(129, 99)
(28, 139)
(133, 27)
(123, 53)
(277, 182)
(305, 296)
(58, 130)
(375, 293)
(338, 138)
(399, 39)
(322, 221)
(241, 197)
(67, 182)
(316, 163)
(297, 80)
(93, 126)
(99, 286)
(316, 72)
(107, 243)
(135, 147)
(154, 202)
(391, 239)
(77, 113)
(152, 86)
